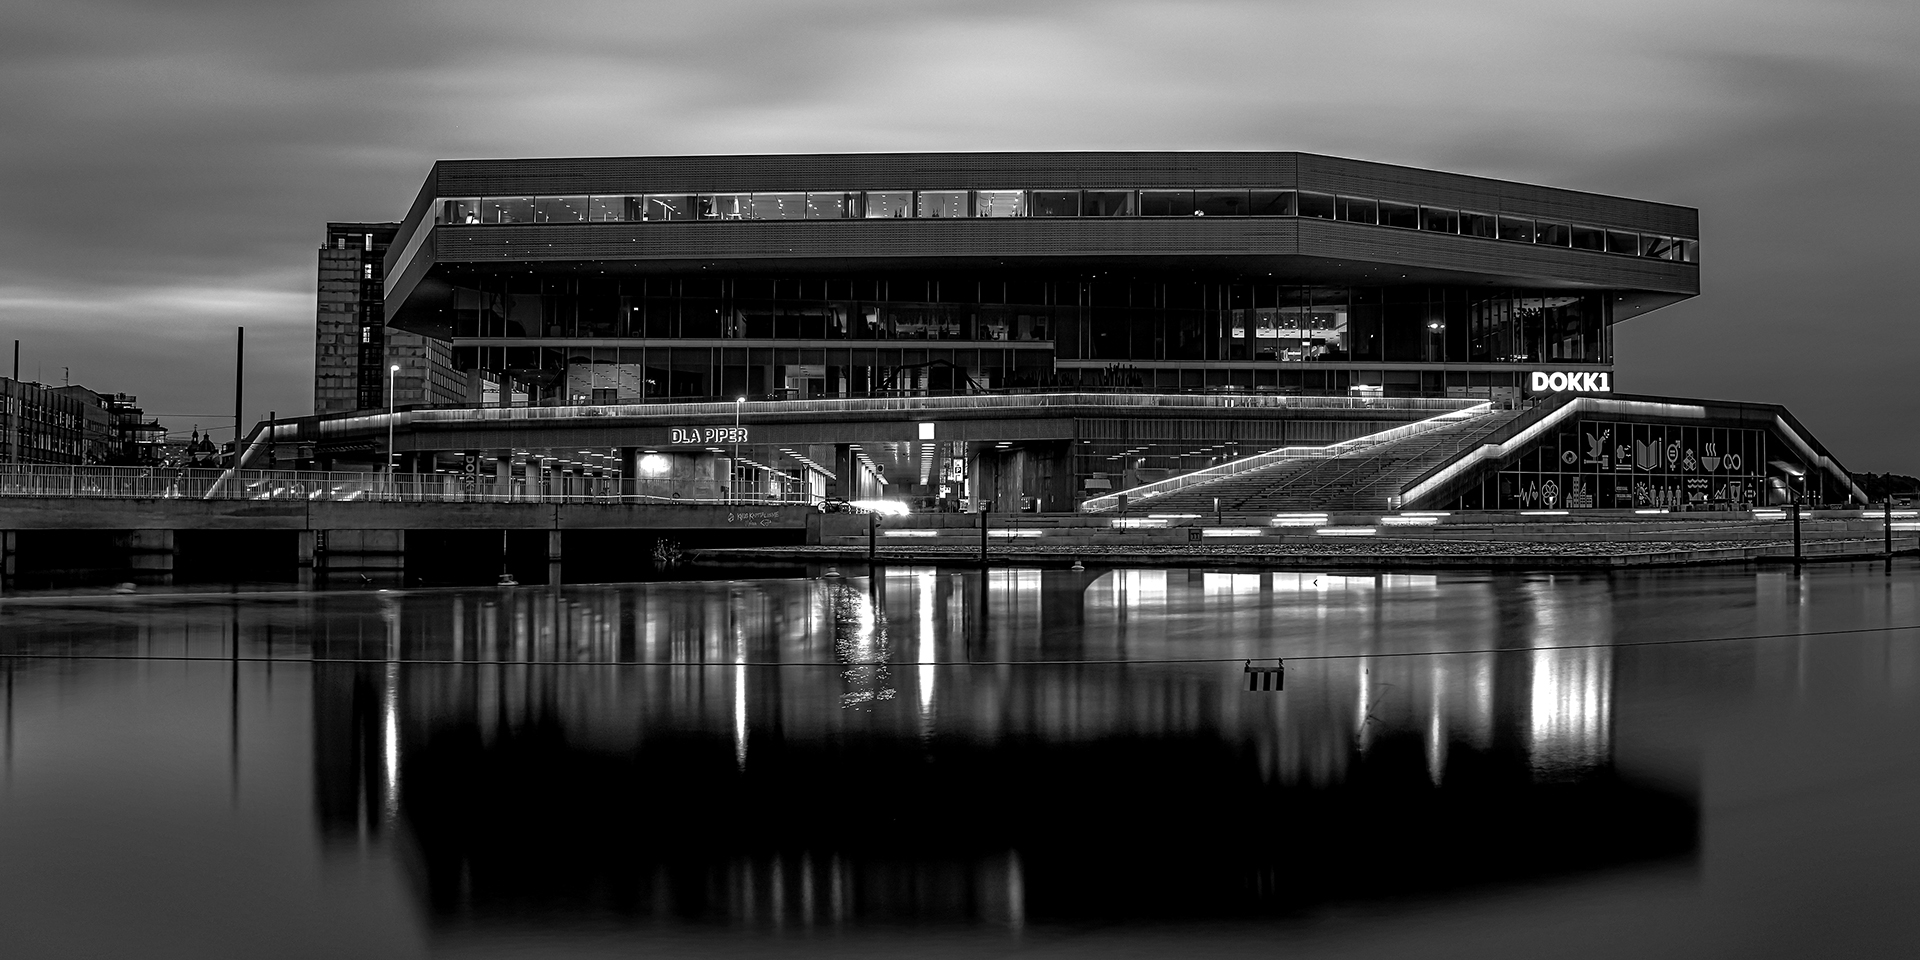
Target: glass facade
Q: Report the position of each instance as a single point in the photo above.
(1398, 214)
(1609, 464)
(995, 333)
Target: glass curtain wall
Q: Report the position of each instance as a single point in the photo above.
(1617, 464)
(961, 332)
(957, 204)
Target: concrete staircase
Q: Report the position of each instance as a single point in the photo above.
(1360, 480)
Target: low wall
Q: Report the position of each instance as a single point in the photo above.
(82, 513)
(1609, 538)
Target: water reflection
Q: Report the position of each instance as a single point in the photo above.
(927, 745)
(1029, 750)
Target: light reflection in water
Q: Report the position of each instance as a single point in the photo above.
(926, 654)
(828, 739)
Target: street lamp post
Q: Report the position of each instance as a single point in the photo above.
(738, 404)
(392, 372)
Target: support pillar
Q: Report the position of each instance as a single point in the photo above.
(308, 557)
(503, 475)
(846, 482)
(9, 545)
(553, 558)
(150, 555)
(366, 556)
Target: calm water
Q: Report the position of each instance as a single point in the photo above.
(1043, 763)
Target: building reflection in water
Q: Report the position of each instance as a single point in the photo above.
(911, 745)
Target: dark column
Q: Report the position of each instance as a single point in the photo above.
(847, 470)
(309, 556)
(1052, 467)
(150, 556)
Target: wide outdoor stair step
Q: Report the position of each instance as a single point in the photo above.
(1362, 479)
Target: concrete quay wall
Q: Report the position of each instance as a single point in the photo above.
(49, 540)
(1463, 539)
(83, 513)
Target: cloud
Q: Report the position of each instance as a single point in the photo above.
(171, 166)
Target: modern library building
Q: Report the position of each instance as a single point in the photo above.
(1028, 331)
(627, 280)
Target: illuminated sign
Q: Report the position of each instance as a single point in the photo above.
(1542, 381)
(707, 435)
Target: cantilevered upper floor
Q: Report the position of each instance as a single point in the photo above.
(1289, 217)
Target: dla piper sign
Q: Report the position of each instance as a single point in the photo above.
(707, 435)
(1542, 381)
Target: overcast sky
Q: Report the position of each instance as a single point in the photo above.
(169, 167)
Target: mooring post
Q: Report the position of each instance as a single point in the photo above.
(1796, 533)
(873, 527)
(983, 535)
(1887, 511)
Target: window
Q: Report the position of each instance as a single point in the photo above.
(940, 204)
(507, 210)
(1438, 220)
(1166, 203)
(889, 203)
(1406, 216)
(1220, 203)
(369, 241)
(670, 206)
(1356, 210)
(1106, 203)
(946, 204)
(725, 206)
(367, 271)
(779, 206)
(608, 208)
(1053, 203)
(999, 203)
(827, 206)
(1316, 205)
(1272, 203)
(560, 210)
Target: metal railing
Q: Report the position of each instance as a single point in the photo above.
(1258, 461)
(156, 483)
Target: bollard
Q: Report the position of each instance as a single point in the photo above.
(1796, 534)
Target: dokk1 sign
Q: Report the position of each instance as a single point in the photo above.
(1543, 381)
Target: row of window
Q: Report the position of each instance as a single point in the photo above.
(650, 372)
(1107, 320)
(949, 204)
